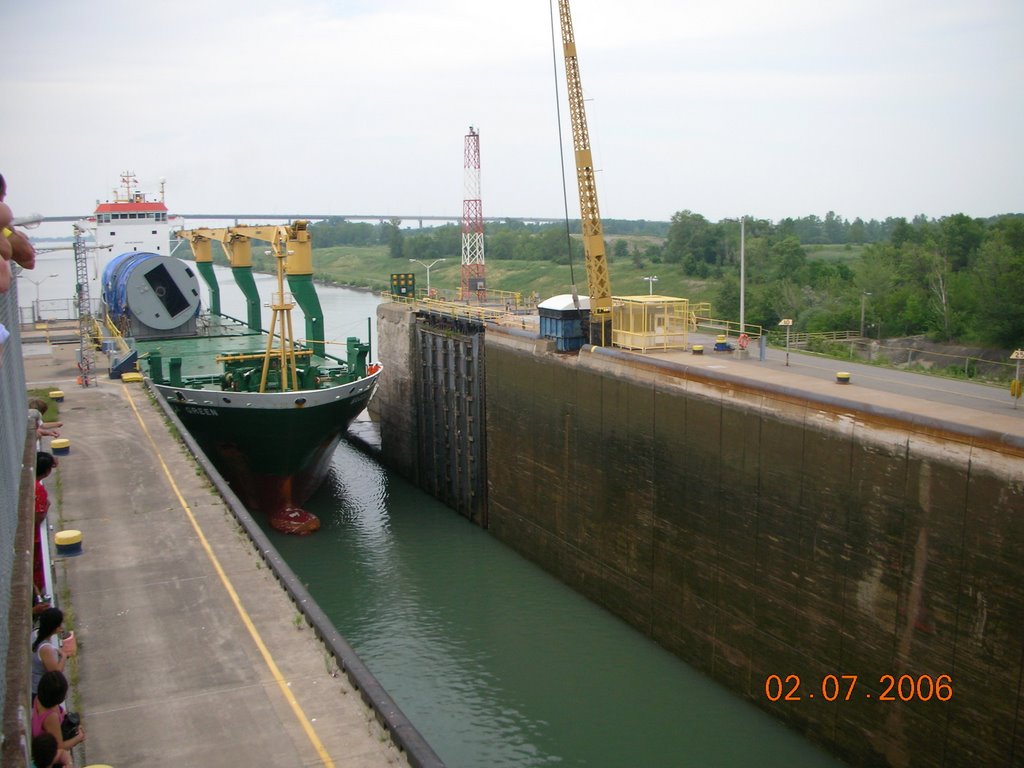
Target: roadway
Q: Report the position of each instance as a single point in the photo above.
(968, 403)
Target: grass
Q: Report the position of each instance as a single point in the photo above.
(371, 267)
(52, 406)
(839, 253)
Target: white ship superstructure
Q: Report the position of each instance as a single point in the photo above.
(130, 222)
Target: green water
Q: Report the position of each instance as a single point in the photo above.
(497, 663)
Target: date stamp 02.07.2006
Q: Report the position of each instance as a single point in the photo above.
(845, 688)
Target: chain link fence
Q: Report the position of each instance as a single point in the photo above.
(17, 450)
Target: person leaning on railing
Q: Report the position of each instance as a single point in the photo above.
(49, 652)
(16, 246)
(47, 715)
(6, 252)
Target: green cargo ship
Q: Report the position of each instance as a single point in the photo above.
(267, 410)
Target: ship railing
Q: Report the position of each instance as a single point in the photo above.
(243, 356)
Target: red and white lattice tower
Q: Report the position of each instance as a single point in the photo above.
(472, 223)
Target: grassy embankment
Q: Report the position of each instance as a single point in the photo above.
(371, 267)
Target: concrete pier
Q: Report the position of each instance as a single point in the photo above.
(189, 650)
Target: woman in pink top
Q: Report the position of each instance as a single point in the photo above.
(47, 715)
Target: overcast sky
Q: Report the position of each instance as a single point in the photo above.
(868, 108)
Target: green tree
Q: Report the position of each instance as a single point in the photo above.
(959, 239)
(835, 228)
(392, 231)
(788, 258)
(858, 231)
(691, 243)
(999, 283)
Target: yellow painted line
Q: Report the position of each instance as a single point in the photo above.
(274, 671)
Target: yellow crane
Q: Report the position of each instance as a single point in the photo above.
(598, 283)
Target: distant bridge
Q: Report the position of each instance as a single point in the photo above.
(320, 217)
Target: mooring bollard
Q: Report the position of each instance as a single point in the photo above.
(69, 542)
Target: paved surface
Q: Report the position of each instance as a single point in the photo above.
(190, 653)
(957, 402)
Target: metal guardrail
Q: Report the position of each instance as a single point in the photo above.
(17, 475)
(803, 338)
(860, 349)
(729, 327)
(449, 308)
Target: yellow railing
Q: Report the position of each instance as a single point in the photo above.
(510, 299)
(115, 334)
(729, 327)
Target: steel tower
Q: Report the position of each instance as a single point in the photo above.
(472, 223)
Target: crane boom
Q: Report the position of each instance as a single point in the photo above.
(598, 283)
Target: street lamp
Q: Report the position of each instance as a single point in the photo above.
(37, 283)
(650, 284)
(428, 266)
(863, 299)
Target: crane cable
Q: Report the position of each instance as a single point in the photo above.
(561, 155)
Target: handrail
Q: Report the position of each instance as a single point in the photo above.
(731, 327)
(115, 334)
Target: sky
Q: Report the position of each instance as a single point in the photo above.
(868, 108)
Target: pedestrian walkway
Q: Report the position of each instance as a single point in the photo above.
(190, 652)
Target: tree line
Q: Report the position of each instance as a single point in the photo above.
(955, 278)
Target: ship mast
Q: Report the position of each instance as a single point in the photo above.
(281, 311)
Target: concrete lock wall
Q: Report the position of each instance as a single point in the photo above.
(754, 534)
(393, 402)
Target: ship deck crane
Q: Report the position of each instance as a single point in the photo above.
(292, 248)
(598, 282)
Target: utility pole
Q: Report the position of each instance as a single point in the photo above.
(743, 275)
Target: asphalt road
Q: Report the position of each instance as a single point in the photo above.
(966, 394)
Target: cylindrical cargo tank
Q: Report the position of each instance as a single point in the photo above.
(160, 292)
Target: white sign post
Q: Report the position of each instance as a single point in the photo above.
(788, 323)
(1015, 388)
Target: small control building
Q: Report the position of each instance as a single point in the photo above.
(562, 321)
